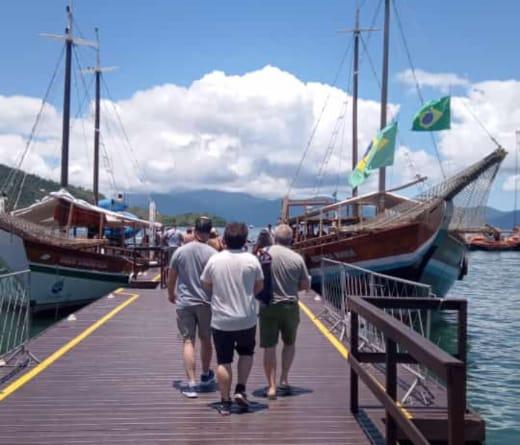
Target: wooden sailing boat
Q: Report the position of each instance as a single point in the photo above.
(409, 238)
(69, 270)
(493, 239)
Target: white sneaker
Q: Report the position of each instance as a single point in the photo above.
(190, 391)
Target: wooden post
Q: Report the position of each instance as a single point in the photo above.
(462, 337)
(456, 404)
(391, 388)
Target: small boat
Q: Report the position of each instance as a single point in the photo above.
(492, 240)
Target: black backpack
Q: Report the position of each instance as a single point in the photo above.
(266, 294)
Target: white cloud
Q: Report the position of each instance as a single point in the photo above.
(441, 81)
(495, 105)
(229, 132)
(247, 133)
(511, 183)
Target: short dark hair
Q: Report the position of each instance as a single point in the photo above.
(235, 235)
(203, 224)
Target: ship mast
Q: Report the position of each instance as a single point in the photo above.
(355, 92)
(355, 79)
(384, 97)
(70, 40)
(96, 124)
(66, 102)
(97, 70)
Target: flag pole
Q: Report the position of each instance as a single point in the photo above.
(384, 99)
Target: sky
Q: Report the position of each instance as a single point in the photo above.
(230, 94)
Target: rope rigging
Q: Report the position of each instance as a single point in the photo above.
(333, 137)
(417, 84)
(9, 181)
(320, 116)
(140, 172)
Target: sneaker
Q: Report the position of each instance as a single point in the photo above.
(241, 399)
(207, 379)
(190, 391)
(224, 407)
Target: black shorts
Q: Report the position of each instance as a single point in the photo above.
(226, 341)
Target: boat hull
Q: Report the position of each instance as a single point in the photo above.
(422, 251)
(62, 277)
(55, 287)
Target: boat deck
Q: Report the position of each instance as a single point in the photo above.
(110, 374)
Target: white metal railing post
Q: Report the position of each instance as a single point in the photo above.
(14, 320)
(344, 315)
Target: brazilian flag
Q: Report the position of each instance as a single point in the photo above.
(433, 116)
(380, 153)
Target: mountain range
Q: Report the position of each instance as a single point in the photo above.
(229, 205)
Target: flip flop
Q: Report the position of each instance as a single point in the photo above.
(269, 396)
(285, 390)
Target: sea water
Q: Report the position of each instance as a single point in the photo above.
(492, 288)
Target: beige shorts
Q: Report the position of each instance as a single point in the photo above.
(191, 318)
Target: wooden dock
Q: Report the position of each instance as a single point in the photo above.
(109, 375)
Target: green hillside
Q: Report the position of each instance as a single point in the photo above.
(34, 188)
(183, 220)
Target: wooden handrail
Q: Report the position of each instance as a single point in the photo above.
(419, 350)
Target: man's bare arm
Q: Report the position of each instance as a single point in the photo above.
(305, 284)
(259, 285)
(207, 285)
(172, 282)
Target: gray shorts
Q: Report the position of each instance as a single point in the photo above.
(191, 317)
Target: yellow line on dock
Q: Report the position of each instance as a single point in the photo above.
(38, 369)
(340, 347)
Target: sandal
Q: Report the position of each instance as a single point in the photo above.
(285, 390)
(269, 396)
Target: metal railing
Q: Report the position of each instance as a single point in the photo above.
(15, 312)
(418, 350)
(341, 280)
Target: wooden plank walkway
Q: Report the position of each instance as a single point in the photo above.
(113, 384)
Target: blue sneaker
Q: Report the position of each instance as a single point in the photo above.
(207, 379)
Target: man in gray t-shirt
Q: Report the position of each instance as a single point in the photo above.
(282, 316)
(193, 302)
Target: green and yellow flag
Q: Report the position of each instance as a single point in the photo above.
(380, 153)
(433, 116)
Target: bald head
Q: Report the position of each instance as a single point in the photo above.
(283, 235)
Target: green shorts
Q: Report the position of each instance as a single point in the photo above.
(275, 318)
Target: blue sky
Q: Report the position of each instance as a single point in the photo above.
(157, 42)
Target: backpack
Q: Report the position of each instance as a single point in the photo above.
(266, 294)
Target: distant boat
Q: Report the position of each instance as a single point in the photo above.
(492, 240)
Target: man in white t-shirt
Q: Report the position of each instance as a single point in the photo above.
(234, 277)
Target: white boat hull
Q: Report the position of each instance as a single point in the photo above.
(53, 288)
